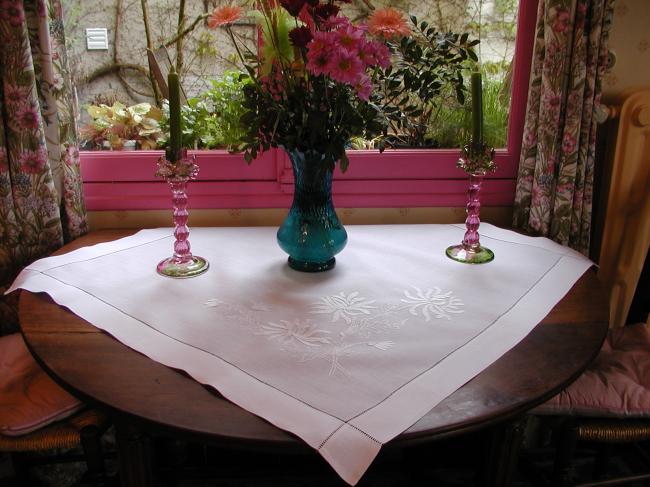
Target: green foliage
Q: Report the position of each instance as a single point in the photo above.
(275, 25)
(428, 65)
(212, 120)
(322, 116)
(119, 123)
(451, 124)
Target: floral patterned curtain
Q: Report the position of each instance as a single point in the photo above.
(41, 203)
(556, 169)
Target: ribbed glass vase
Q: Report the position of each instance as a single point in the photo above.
(312, 233)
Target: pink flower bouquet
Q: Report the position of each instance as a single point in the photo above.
(312, 79)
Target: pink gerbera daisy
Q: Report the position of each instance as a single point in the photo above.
(226, 15)
(388, 23)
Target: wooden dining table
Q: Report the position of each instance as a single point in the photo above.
(146, 398)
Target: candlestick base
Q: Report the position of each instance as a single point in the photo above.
(182, 268)
(469, 255)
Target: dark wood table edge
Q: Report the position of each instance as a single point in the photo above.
(294, 443)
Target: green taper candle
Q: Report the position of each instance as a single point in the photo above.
(477, 110)
(174, 115)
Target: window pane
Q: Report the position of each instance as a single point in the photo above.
(120, 72)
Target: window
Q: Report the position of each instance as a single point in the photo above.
(120, 180)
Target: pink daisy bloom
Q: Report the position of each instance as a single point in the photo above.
(349, 37)
(364, 88)
(346, 67)
(335, 22)
(33, 162)
(322, 42)
(375, 53)
(318, 62)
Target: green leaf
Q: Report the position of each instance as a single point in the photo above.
(345, 162)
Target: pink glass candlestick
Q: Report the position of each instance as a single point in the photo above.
(182, 264)
(470, 250)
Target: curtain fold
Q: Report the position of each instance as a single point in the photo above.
(41, 199)
(556, 169)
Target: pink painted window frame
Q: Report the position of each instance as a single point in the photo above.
(120, 180)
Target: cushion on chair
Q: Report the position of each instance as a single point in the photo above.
(29, 399)
(616, 384)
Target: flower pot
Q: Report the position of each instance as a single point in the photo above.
(129, 145)
(312, 233)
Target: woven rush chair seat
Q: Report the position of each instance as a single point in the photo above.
(61, 434)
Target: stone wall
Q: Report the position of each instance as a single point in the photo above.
(208, 53)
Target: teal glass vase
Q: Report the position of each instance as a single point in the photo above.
(312, 233)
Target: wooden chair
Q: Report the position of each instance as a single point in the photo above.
(36, 415)
(610, 403)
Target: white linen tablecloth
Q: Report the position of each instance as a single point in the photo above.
(346, 359)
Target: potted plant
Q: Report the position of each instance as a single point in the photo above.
(212, 119)
(121, 127)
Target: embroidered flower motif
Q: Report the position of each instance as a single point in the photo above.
(295, 332)
(382, 345)
(259, 307)
(342, 306)
(432, 302)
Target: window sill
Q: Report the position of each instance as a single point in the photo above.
(124, 180)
